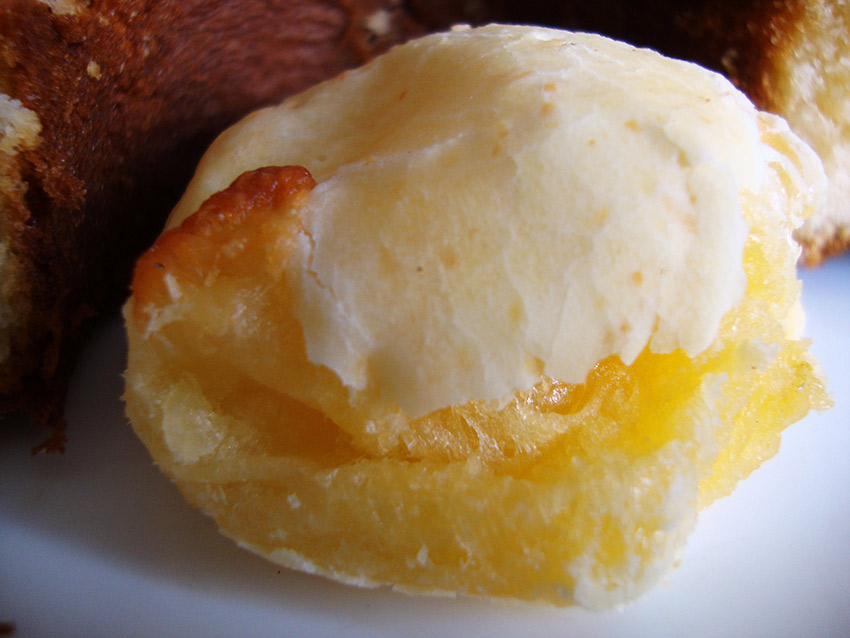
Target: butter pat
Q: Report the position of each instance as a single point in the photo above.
(499, 204)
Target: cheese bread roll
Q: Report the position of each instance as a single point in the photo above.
(495, 314)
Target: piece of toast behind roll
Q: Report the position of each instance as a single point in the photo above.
(105, 108)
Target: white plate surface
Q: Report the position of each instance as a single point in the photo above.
(98, 543)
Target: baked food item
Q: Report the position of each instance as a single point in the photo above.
(105, 109)
(791, 57)
(495, 314)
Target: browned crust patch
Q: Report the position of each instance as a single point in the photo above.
(187, 254)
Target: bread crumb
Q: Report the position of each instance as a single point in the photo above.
(93, 69)
(19, 126)
(379, 23)
(65, 7)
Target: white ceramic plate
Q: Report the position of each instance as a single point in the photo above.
(98, 543)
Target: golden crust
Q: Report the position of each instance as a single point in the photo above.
(184, 253)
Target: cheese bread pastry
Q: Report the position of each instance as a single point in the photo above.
(495, 314)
